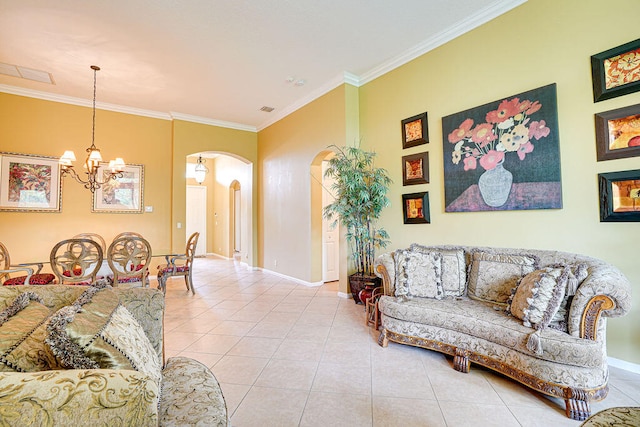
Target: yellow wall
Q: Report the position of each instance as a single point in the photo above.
(189, 138)
(288, 242)
(540, 42)
(33, 126)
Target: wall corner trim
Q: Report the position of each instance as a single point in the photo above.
(623, 364)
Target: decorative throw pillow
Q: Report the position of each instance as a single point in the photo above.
(492, 276)
(418, 274)
(454, 268)
(96, 331)
(538, 296)
(575, 276)
(22, 334)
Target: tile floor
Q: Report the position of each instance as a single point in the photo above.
(290, 355)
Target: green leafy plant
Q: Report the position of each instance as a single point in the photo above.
(360, 191)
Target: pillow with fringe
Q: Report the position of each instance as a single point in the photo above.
(493, 275)
(22, 334)
(418, 274)
(454, 268)
(97, 331)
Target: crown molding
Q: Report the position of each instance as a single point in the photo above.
(13, 90)
(482, 17)
(212, 122)
(339, 80)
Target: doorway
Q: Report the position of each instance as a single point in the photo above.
(196, 218)
(235, 214)
(330, 235)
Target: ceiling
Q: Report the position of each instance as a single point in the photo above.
(218, 61)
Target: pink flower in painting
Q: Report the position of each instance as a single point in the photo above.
(524, 149)
(538, 130)
(505, 110)
(470, 163)
(491, 159)
(461, 132)
(483, 134)
(508, 129)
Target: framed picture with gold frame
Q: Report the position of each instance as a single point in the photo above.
(30, 183)
(616, 71)
(415, 131)
(415, 208)
(618, 133)
(620, 196)
(120, 195)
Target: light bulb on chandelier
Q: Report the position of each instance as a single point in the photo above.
(94, 158)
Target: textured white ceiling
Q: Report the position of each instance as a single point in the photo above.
(222, 60)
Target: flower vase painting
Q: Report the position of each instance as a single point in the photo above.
(504, 155)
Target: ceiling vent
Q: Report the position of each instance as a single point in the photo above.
(267, 109)
(26, 73)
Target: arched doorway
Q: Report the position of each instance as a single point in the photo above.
(228, 210)
(326, 248)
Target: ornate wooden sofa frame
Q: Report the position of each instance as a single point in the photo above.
(604, 293)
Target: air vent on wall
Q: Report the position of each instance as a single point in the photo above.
(267, 109)
(26, 73)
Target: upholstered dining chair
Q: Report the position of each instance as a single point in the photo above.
(179, 265)
(129, 257)
(76, 261)
(28, 276)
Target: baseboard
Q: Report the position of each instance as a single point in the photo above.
(293, 279)
(344, 295)
(218, 256)
(622, 364)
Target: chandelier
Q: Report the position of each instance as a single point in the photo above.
(200, 171)
(93, 162)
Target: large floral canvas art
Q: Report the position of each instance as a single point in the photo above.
(504, 155)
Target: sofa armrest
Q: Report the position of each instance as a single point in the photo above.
(605, 291)
(78, 397)
(191, 395)
(385, 268)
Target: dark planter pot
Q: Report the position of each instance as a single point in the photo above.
(362, 285)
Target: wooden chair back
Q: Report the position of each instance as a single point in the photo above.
(76, 261)
(129, 257)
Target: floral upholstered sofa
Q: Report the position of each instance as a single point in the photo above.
(93, 355)
(533, 315)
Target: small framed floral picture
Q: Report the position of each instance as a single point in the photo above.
(620, 196)
(415, 131)
(616, 71)
(415, 169)
(618, 133)
(123, 194)
(415, 208)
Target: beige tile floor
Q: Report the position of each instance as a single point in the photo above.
(290, 355)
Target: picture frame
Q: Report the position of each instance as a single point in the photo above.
(618, 133)
(415, 169)
(504, 155)
(620, 196)
(611, 74)
(120, 195)
(415, 131)
(30, 183)
(415, 208)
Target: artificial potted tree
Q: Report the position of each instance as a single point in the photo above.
(360, 191)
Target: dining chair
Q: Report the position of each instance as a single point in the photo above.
(127, 233)
(129, 257)
(95, 237)
(179, 265)
(29, 277)
(76, 261)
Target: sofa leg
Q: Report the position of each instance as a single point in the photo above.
(461, 361)
(577, 405)
(383, 341)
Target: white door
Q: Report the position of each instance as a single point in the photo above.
(197, 216)
(330, 237)
(237, 221)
